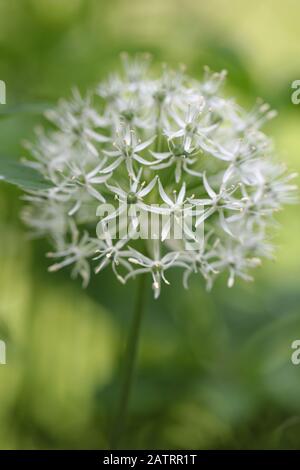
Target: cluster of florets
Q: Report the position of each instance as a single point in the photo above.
(170, 146)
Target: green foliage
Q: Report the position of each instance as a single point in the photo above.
(21, 175)
(33, 108)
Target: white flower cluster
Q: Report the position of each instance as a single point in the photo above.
(167, 146)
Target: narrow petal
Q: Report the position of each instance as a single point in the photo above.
(208, 189)
(164, 196)
(181, 194)
(148, 188)
(145, 144)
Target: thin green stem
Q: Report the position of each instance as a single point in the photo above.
(158, 143)
(129, 365)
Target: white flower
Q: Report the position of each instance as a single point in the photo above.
(111, 89)
(237, 260)
(219, 185)
(128, 149)
(201, 261)
(156, 267)
(77, 252)
(46, 218)
(135, 68)
(244, 121)
(176, 210)
(110, 253)
(212, 82)
(272, 184)
(79, 121)
(179, 154)
(131, 201)
(218, 202)
(194, 127)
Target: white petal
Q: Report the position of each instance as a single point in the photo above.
(164, 196)
(148, 188)
(144, 145)
(208, 189)
(181, 194)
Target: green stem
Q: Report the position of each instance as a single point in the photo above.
(129, 365)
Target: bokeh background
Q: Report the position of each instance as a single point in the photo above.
(214, 369)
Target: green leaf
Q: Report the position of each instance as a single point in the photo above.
(21, 175)
(25, 108)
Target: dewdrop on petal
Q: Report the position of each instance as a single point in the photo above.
(164, 145)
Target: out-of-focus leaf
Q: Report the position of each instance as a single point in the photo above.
(26, 108)
(21, 175)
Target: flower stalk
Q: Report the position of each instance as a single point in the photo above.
(130, 360)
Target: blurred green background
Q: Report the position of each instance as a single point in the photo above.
(214, 369)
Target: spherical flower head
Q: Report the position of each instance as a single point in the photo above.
(148, 173)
